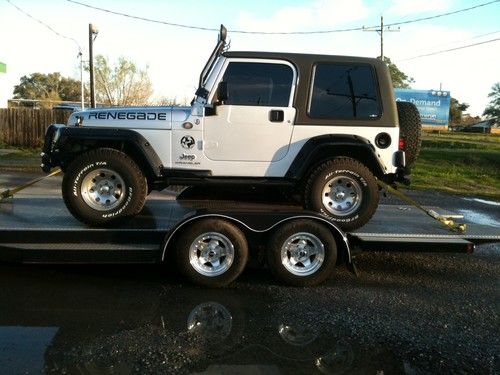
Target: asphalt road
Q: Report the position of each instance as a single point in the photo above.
(404, 313)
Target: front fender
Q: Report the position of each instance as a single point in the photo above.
(60, 142)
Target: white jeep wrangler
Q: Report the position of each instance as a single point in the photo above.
(325, 126)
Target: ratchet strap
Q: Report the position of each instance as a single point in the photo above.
(447, 221)
(10, 192)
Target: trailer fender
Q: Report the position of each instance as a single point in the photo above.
(247, 224)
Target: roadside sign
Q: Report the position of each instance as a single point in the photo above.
(3, 67)
(433, 105)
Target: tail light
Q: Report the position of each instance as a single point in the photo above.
(402, 144)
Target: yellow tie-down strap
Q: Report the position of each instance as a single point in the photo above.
(447, 221)
(10, 192)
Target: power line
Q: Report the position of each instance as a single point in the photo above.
(276, 32)
(450, 44)
(45, 25)
(451, 49)
(443, 14)
(80, 53)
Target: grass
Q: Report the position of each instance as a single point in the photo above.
(20, 159)
(467, 164)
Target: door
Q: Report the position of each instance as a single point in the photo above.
(255, 121)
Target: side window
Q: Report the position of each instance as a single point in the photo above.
(258, 84)
(344, 91)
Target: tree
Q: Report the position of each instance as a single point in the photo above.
(122, 84)
(493, 108)
(399, 79)
(48, 88)
(456, 109)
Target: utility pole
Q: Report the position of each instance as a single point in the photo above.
(92, 35)
(80, 55)
(380, 32)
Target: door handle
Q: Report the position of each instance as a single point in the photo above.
(276, 115)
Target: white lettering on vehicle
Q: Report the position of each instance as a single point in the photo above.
(85, 169)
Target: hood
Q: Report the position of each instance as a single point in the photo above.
(130, 117)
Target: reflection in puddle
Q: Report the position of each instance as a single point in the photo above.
(479, 218)
(22, 349)
(299, 336)
(210, 320)
(115, 324)
(336, 361)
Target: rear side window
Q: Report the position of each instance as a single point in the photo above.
(258, 84)
(344, 91)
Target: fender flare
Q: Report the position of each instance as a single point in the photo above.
(64, 135)
(345, 145)
(242, 223)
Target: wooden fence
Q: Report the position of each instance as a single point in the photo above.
(25, 127)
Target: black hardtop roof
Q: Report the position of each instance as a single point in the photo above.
(304, 63)
(302, 58)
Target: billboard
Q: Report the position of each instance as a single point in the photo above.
(433, 105)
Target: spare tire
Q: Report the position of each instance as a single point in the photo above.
(410, 128)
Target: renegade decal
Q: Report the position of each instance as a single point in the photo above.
(162, 116)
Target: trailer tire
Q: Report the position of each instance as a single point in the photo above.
(211, 252)
(103, 186)
(344, 190)
(302, 252)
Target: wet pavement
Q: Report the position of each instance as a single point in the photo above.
(420, 313)
(403, 314)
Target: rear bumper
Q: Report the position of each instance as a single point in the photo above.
(402, 173)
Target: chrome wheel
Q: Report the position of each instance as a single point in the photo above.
(103, 189)
(302, 254)
(342, 195)
(211, 254)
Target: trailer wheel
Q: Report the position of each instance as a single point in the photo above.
(302, 253)
(102, 186)
(212, 252)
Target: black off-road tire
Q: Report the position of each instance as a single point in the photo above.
(130, 186)
(189, 257)
(284, 244)
(410, 128)
(353, 179)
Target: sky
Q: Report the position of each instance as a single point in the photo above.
(175, 56)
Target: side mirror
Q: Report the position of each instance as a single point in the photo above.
(222, 94)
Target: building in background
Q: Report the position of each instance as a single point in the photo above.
(433, 106)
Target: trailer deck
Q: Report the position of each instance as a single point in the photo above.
(41, 230)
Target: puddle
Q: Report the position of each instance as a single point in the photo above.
(22, 349)
(63, 322)
(107, 320)
(484, 201)
(479, 218)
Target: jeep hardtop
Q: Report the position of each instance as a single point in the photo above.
(325, 127)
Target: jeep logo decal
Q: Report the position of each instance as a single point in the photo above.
(187, 141)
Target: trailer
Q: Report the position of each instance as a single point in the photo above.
(211, 240)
